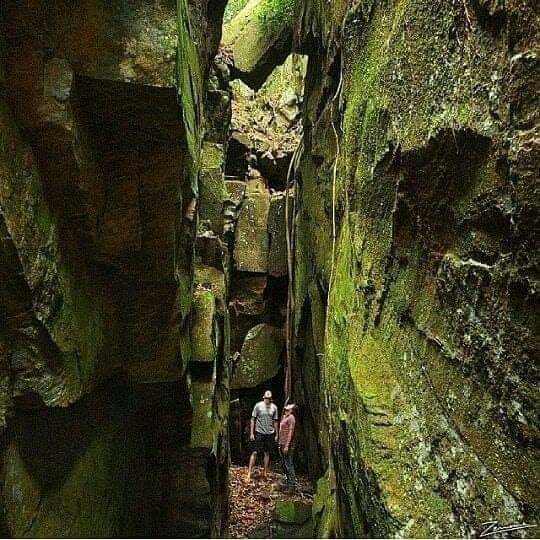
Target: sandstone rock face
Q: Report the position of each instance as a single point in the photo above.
(417, 320)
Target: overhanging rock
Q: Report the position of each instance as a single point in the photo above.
(260, 38)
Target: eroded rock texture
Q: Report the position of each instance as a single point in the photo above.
(417, 321)
(110, 428)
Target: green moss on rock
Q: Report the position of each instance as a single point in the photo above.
(205, 425)
(410, 355)
(260, 37)
(203, 328)
(291, 511)
(212, 188)
(259, 358)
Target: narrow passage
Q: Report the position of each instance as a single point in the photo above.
(266, 129)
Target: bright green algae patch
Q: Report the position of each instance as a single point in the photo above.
(274, 12)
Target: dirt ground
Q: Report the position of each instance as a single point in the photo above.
(252, 503)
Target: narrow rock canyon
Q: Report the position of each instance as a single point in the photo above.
(201, 200)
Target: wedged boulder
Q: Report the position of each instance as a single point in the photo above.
(247, 295)
(277, 253)
(251, 246)
(260, 38)
(260, 357)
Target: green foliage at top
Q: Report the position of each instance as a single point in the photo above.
(274, 12)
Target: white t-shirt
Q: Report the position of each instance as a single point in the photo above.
(265, 417)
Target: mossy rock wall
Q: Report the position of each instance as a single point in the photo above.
(102, 125)
(426, 362)
(65, 473)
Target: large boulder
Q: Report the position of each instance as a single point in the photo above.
(260, 357)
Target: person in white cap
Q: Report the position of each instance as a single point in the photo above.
(263, 432)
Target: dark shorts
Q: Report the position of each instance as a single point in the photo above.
(263, 443)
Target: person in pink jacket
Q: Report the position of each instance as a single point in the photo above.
(287, 432)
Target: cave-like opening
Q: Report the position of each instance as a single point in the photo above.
(266, 129)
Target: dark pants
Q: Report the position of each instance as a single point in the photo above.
(287, 463)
